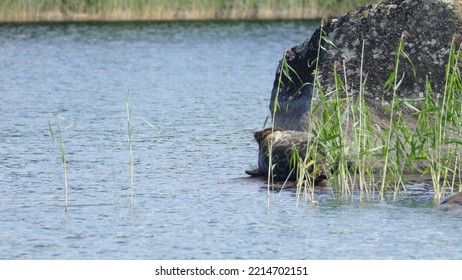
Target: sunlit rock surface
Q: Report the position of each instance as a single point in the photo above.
(428, 28)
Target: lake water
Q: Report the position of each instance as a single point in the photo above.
(206, 87)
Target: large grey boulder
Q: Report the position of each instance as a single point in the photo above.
(429, 28)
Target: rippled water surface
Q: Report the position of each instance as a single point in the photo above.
(206, 87)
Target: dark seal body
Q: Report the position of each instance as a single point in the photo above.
(452, 202)
(285, 145)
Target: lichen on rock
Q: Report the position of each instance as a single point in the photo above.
(428, 28)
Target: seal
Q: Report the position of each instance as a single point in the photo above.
(452, 202)
(285, 145)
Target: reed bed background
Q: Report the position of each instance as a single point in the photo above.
(160, 10)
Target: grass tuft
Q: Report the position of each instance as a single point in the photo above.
(129, 136)
(58, 139)
(423, 134)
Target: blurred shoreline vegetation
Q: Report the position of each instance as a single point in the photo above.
(165, 10)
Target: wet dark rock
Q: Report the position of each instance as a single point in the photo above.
(427, 26)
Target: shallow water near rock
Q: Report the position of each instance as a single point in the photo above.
(206, 86)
